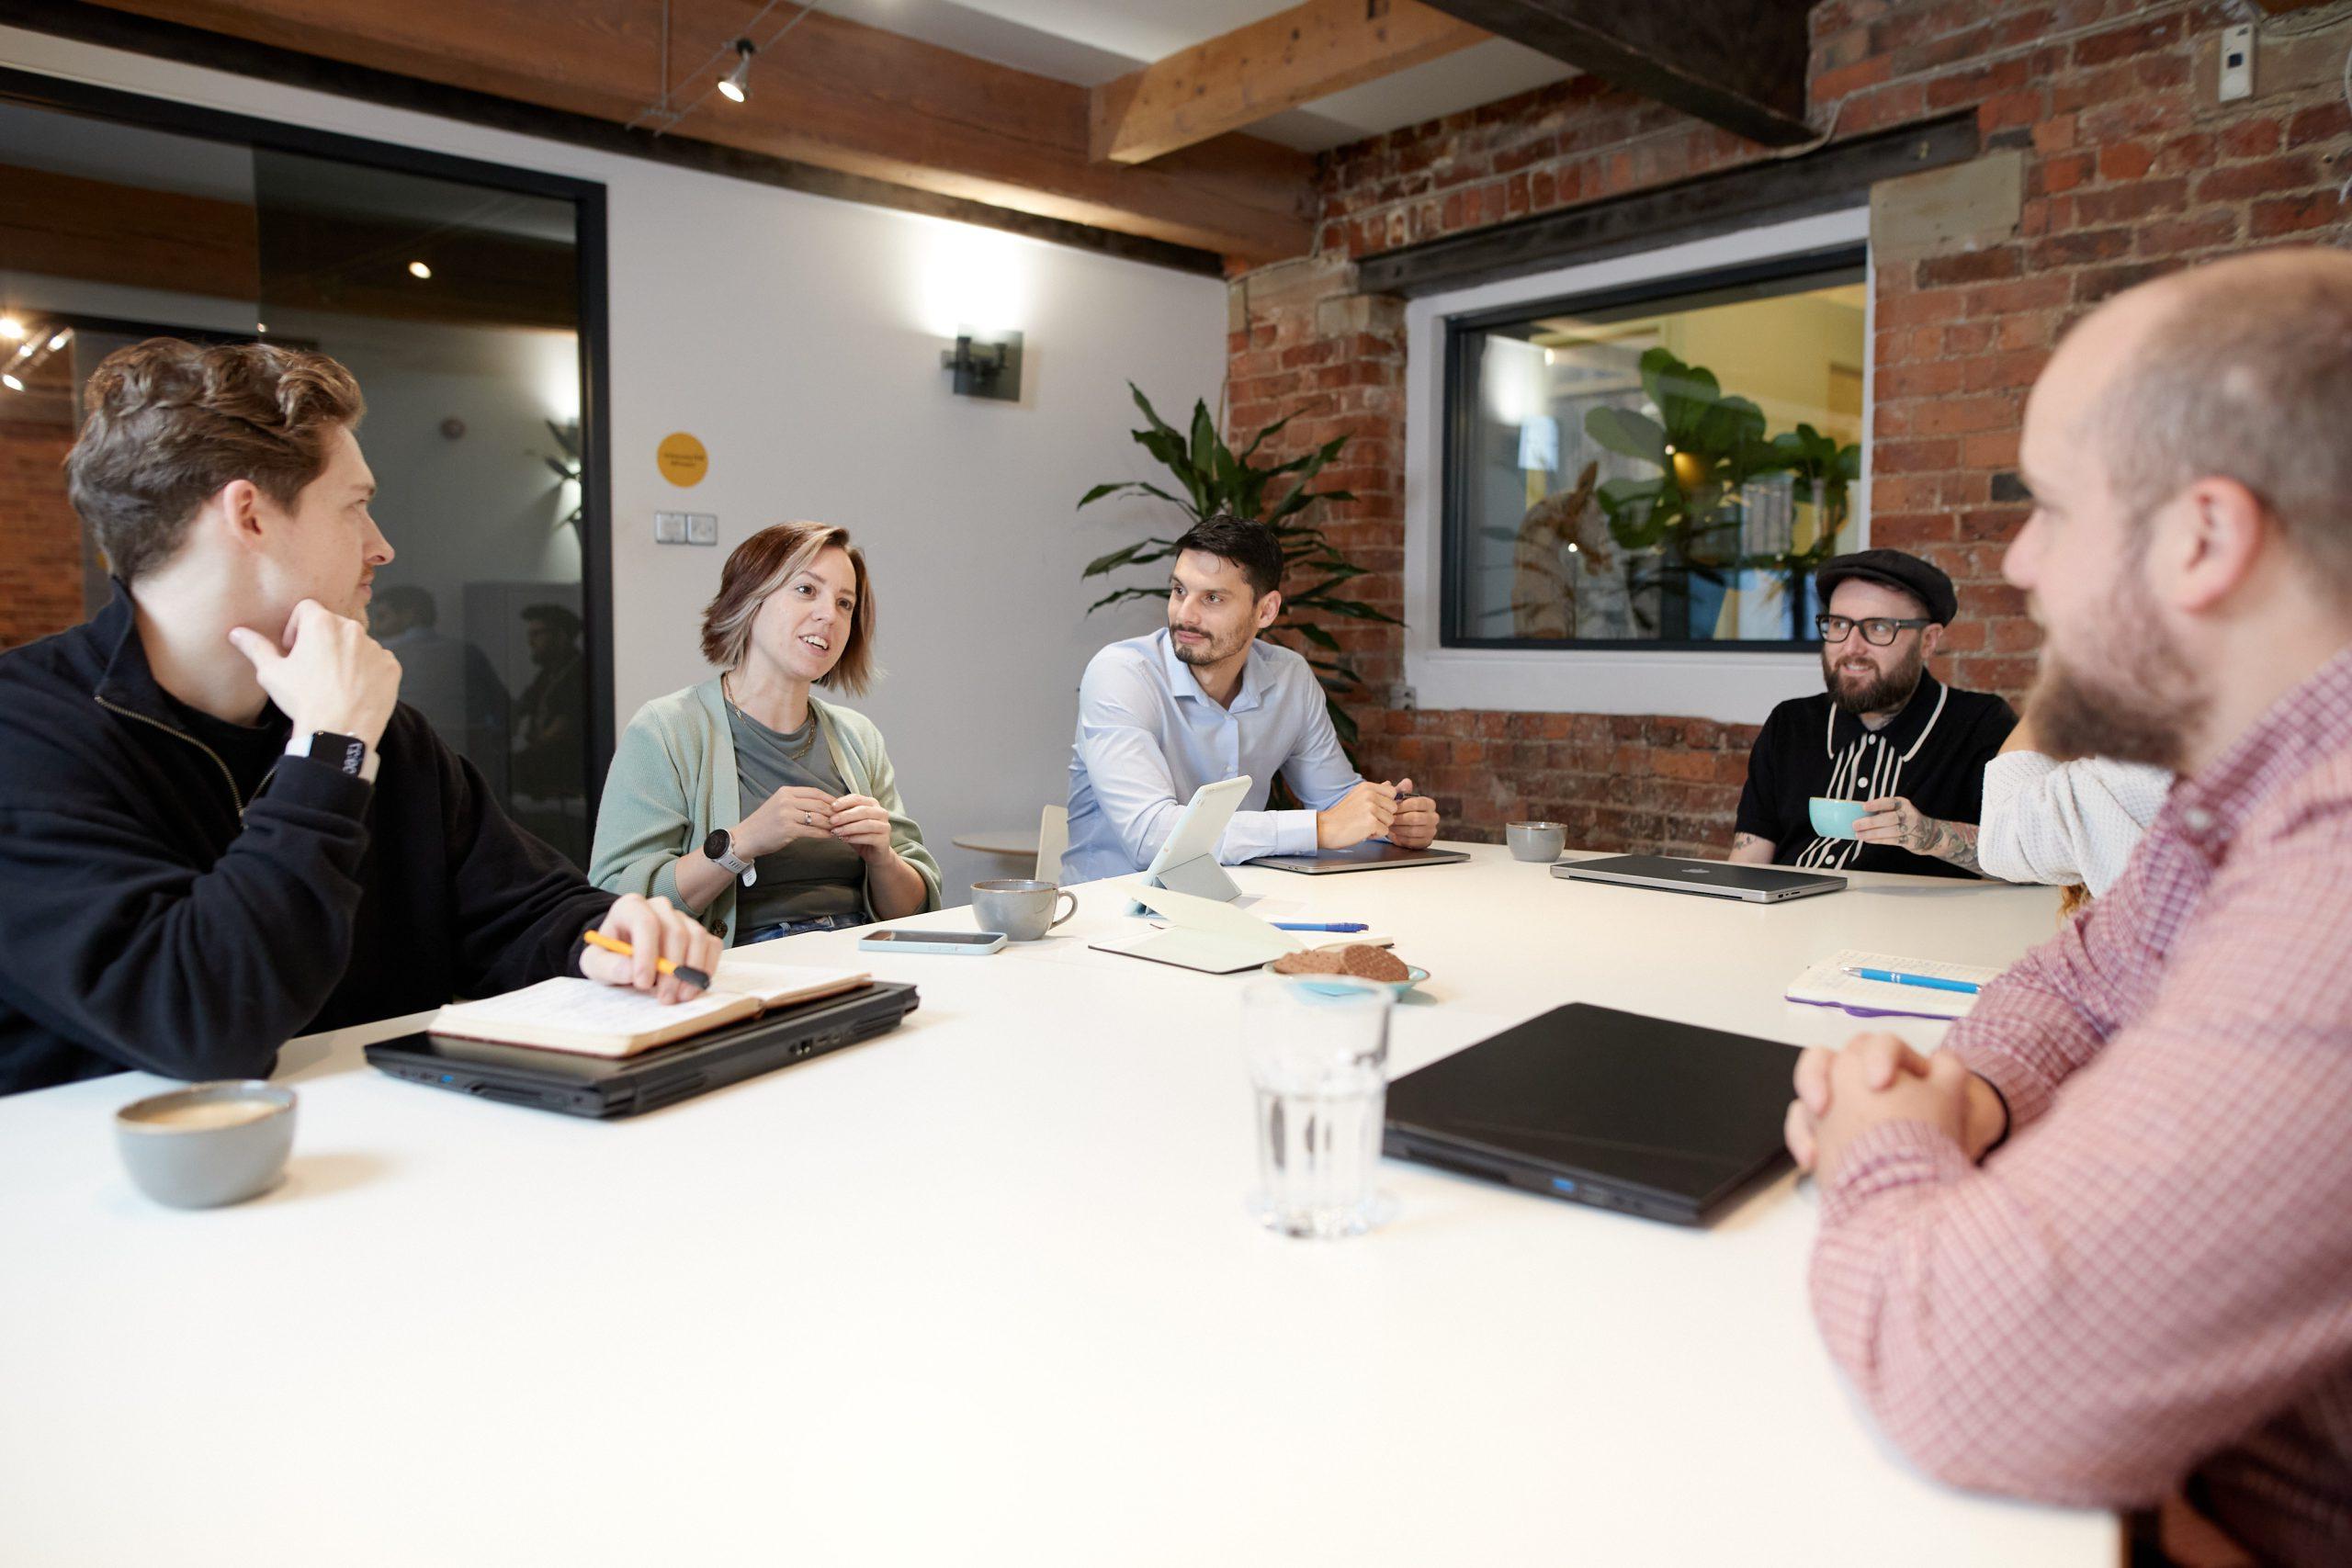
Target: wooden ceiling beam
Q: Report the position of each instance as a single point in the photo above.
(1238, 78)
(834, 94)
(1736, 63)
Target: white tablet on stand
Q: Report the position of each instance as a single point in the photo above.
(1187, 860)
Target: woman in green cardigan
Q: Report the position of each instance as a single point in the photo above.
(747, 800)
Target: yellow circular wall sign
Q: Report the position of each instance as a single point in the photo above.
(682, 458)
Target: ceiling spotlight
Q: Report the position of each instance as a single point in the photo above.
(734, 83)
(11, 328)
(261, 326)
(418, 269)
(12, 383)
(60, 340)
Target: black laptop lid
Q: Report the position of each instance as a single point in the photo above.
(1678, 1117)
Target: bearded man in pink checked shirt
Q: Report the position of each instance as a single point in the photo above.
(2098, 1250)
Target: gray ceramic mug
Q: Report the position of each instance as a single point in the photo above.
(1023, 910)
(209, 1143)
(1536, 840)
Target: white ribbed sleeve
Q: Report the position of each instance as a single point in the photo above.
(2065, 822)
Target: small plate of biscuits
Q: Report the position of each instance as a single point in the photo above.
(1359, 960)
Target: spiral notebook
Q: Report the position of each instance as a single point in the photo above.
(1827, 985)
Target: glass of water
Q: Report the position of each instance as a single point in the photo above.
(1318, 1060)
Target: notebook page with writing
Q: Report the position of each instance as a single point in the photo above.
(588, 1017)
(1825, 984)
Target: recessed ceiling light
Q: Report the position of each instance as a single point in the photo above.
(60, 340)
(418, 269)
(12, 383)
(11, 328)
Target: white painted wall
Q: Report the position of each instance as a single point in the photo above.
(800, 339)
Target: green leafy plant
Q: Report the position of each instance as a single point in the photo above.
(1213, 478)
(1825, 474)
(1705, 446)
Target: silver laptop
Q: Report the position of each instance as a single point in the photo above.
(1717, 879)
(1373, 855)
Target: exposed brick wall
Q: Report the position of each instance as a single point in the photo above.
(2130, 170)
(41, 538)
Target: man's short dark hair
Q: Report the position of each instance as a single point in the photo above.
(1249, 546)
(410, 601)
(555, 618)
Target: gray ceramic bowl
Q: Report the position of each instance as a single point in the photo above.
(209, 1143)
(1536, 840)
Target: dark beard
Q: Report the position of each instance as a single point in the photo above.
(1884, 694)
(2148, 706)
(1206, 655)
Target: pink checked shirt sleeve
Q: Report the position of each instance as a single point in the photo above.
(2153, 1276)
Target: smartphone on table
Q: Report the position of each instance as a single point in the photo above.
(973, 944)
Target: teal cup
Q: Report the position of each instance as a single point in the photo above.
(1834, 818)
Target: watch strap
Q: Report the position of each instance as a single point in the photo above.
(346, 754)
(728, 860)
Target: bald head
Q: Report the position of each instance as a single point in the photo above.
(2239, 370)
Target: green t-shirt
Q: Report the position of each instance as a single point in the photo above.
(808, 877)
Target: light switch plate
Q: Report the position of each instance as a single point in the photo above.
(702, 527)
(2238, 64)
(669, 527)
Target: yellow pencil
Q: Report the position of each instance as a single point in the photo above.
(686, 972)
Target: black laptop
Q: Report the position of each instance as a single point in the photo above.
(605, 1086)
(1667, 1120)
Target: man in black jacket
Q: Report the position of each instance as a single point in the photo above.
(217, 828)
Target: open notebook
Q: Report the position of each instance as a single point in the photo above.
(596, 1020)
(1826, 984)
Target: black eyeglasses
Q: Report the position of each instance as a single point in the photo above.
(1878, 631)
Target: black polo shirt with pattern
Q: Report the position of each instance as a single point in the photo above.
(1933, 755)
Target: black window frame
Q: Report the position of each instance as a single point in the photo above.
(1459, 416)
(58, 95)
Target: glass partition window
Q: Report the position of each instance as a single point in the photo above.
(457, 303)
(1660, 470)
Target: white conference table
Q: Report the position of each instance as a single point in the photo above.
(979, 1292)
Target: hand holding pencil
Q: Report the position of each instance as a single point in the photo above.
(649, 944)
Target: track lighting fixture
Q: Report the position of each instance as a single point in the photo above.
(735, 83)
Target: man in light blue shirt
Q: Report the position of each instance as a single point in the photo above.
(1204, 700)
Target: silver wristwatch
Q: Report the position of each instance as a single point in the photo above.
(720, 848)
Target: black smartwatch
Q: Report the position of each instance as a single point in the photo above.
(720, 848)
(346, 753)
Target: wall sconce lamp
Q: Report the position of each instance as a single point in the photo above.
(985, 370)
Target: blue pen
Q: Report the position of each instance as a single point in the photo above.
(1896, 978)
(1324, 926)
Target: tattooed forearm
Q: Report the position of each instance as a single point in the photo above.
(1956, 842)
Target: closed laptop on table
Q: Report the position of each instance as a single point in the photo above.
(1620, 1110)
(1373, 855)
(1712, 878)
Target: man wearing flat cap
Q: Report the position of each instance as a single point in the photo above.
(1885, 733)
